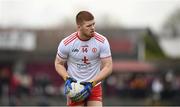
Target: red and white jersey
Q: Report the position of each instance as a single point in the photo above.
(83, 57)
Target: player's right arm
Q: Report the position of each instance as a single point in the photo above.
(60, 67)
(61, 59)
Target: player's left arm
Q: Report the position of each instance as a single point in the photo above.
(106, 63)
(105, 71)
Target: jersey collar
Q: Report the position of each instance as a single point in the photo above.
(81, 38)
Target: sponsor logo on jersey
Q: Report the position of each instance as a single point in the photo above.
(83, 66)
(85, 46)
(75, 50)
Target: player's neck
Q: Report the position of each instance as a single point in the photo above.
(83, 37)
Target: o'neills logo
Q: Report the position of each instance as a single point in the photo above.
(75, 50)
(94, 50)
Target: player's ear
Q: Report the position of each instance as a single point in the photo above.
(78, 26)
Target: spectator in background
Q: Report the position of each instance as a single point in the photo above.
(157, 88)
(20, 86)
(14, 94)
(138, 85)
(25, 83)
(5, 76)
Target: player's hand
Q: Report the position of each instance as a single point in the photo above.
(85, 92)
(88, 86)
(68, 86)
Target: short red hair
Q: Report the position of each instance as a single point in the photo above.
(83, 16)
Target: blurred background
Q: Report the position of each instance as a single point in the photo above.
(144, 36)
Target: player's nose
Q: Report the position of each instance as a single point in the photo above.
(92, 27)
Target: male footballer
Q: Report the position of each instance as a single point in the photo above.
(88, 58)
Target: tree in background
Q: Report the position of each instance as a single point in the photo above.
(153, 50)
(171, 27)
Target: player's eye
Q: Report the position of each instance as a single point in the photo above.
(89, 25)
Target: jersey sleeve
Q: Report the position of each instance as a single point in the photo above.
(105, 49)
(62, 51)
